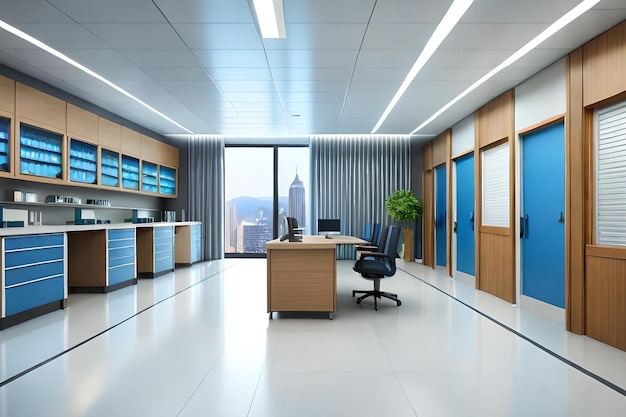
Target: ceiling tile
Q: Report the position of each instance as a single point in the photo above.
(319, 36)
(137, 35)
(177, 73)
(160, 58)
(63, 35)
(311, 58)
(109, 11)
(328, 11)
(213, 11)
(387, 58)
(411, 36)
(223, 58)
(243, 86)
(219, 35)
(250, 73)
(311, 73)
(409, 11)
(94, 58)
(25, 11)
(324, 86)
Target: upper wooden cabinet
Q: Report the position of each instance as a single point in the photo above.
(109, 134)
(40, 108)
(7, 96)
(158, 152)
(131, 142)
(82, 124)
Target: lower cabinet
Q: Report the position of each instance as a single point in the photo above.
(101, 260)
(155, 255)
(33, 277)
(188, 243)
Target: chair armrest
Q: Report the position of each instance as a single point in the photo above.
(377, 255)
(366, 247)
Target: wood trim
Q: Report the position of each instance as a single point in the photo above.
(545, 123)
(428, 156)
(40, 109)
(449, 211)
(7, 96)
(601, 251)
(575, 197)
(440, 148)
(478, 196)
(86, 266)
(495, 230)
(109, 134)
(130, 143)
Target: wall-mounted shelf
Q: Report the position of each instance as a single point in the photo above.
(41, 152)
(82, 162)
(149, 180)
(5, 148)
(69, 205)
(109, 168)
(130, 173)
(167, 180)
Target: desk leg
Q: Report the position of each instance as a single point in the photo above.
(271, 315)
(331, 315)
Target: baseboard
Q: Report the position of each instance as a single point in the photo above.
(23, 316)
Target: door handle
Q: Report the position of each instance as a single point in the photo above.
(471, 218)
(454, 227)
(561, 218)
(523, 225)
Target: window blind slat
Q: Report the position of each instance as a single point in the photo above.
(611, 175)
(496, 186)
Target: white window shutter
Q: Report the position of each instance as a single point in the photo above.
(611, 175)
(496, 207)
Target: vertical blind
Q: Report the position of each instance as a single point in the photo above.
(351, 176)
(611, 175)
(495, 190)
(205, 161)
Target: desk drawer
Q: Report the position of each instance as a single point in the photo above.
(24, 297)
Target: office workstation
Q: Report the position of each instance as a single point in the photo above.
(508, 143)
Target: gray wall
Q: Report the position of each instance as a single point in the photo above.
(417, 186)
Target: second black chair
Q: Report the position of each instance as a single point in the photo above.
(375, 266)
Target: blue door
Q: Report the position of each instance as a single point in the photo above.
(543, 210)
(440, 215)
(465, 254)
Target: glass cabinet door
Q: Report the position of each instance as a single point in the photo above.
(41, 152)
(167, 180)
(149, 177)
(130, 173)
(109, 168)
(5, 129)
(82, 162)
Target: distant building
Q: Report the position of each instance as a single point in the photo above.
(252, 237)
(230, 228)
(297, 206)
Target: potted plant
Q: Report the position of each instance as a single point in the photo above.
(403, 207)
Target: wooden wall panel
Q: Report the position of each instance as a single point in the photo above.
(497, 275)
(440, 148)
(429, 219)
(604, 65)
(495, 120)
(7, 96)
(131, 142)
(428, 156)
(109, 135)
(41, 109)
(605, 308)
(158, 152)
(82, 124)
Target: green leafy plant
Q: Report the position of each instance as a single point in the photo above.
(403, 207)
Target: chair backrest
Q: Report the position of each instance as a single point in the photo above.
(384, 231)
(391, 246)
(375, 233)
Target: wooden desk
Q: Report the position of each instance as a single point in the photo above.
(302, 276)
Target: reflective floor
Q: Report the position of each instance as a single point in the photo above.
(198, 342)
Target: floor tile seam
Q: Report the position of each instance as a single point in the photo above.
(538, 345)
(102, 332)
(206, 374)
(266, 365)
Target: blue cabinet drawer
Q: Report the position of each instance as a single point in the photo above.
(33, 256)
(25, 297)
(163, 264)
(121, 243)
(121, 252)
(121, 274)
(34, 241)
(123, 260)
(116, 234)
(162, 249)
(163, 232)
(33, 272)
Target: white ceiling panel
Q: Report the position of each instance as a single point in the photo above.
(203, 63)
(389, 36)
(231, 58)
(328, 11)
(219, 35)
(320, 36)
(302, 58)
(160, 57)
(109, 11)
(137, 35)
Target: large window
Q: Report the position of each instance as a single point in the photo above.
(263, 185)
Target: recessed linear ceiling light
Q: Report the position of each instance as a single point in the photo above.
(271, 19)
(566, 19)
(83, 68)
(449, 21)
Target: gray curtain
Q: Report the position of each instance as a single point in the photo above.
(353, 175)
(205, 161)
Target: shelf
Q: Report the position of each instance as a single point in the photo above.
(5, 127)
(149, 180)
(130, 173)
(167, 180)
(68, 205)
(40, 152)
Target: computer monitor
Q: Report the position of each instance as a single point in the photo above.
(328, 226)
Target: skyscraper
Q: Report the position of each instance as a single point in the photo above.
(297, 206)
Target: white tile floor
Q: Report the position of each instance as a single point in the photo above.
(198, 342)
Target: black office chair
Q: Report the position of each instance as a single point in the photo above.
(375, 266)
(377, 244)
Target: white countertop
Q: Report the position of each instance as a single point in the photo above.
(34, 230)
